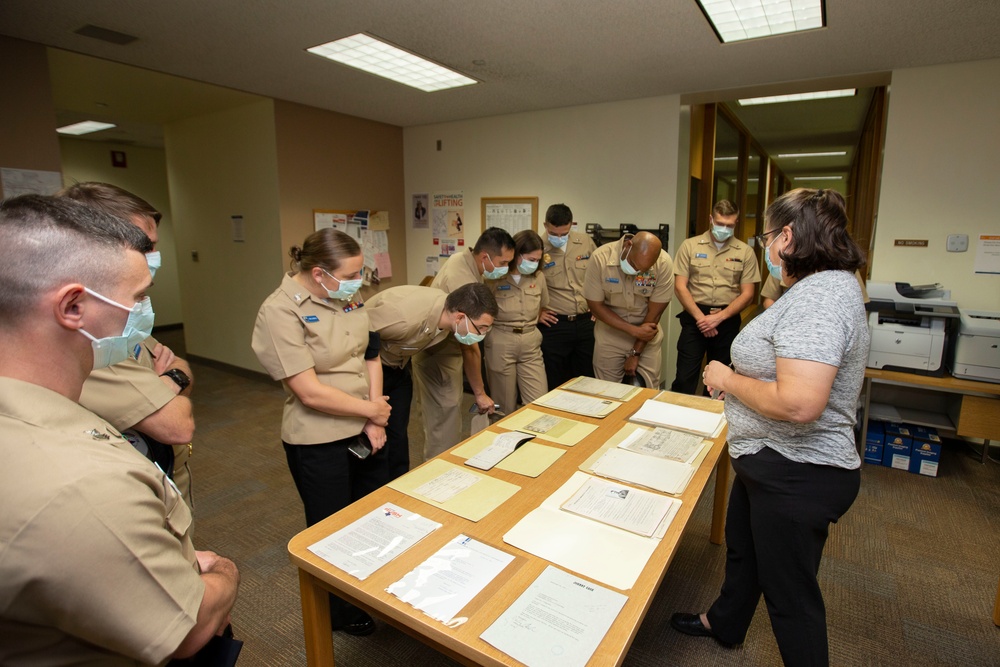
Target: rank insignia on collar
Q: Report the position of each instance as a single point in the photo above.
(97, 435)
(353, 305)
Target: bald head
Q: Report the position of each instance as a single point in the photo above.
(643, 250)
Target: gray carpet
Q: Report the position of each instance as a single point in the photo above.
(909, 575)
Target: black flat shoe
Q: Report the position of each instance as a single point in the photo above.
(690, 624)
(360, 628)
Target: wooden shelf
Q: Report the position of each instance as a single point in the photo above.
(895, 413)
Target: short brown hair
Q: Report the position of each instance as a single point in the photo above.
(820, 241)
(111, 199)
(725, 207)
(325, 249)
(473, 299)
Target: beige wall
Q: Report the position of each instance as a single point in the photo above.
(327, 160)
(146, 176)
(939, 177)
(28, 138)
(220, 165)
(610, 163)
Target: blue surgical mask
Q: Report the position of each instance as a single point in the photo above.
(153, 260)
(496, 272)
(775, 271)
(558, 241)
(721, 233)
(468, 338)
(114, 349)
(627, 268)
(348, 288)
(527, 266)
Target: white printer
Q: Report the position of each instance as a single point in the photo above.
(910, 327)
(977, 346)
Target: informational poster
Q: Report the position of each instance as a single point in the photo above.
(448, 215)
(448, 247)
(29, 182)
(513, 214)
(988, 254)
(369, 229)
(421, 217)
(432, 264)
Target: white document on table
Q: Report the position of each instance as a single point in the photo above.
(373, 540)
(664, 443)
(658, 413)
(447, 581)
(615, 504)
(445, 487)
(605, 553)
(503, 445)
(653, 473)
(580, 404)
(595, 387)
(559, 621)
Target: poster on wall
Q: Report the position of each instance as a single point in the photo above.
(420, 216)
(351, 222)
(513, 214)
(448, 247)
(432, 263)
(988, 254)
(375, 247)
(448, 215)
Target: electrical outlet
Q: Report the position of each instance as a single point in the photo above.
(958, 242)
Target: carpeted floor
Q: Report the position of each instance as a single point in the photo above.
(909, 575)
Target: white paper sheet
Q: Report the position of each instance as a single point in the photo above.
(603, 388)
(664, 443)
(653, 473)
(657, 413)
(367, 544)
(580, 404)
(615, 504)
(445, 487)
(503, 446)
(447, 581)
(559, 621)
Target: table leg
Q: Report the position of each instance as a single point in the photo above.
(316, 621)
(996, 608)
(863, 444)
(719, 502)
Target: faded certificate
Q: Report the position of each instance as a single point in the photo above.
(581, 404)
(373, 540)
(558, 621)
(664, 443)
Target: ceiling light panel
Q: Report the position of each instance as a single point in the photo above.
(86, 127)
(739, 20)
(799, 97)
(371, 55)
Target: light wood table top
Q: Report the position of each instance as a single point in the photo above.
(463, 644)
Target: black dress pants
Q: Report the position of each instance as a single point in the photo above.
(397, 384)
(568, 349)
(693, 345)
(778, 519)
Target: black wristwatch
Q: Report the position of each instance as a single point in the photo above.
(179, 377)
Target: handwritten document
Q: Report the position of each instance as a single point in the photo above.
(558, 621)
(445, 487)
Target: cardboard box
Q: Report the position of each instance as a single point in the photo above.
(898, 429)
(896, 452)
(926, 434)
(874, 442)
(924, 458)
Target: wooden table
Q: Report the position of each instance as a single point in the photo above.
(317, 577)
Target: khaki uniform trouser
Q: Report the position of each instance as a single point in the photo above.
(514, 361)
(437, 373)
(611, 347)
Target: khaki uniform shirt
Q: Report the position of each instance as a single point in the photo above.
(96, 561)
(406, 319)
(715, 276)
(565, 270)
(628, 296)
(296, 331)
(126, 393)
(519, 302)
(460, 269)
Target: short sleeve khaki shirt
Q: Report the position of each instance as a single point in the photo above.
(565, 270)
(96, 561)
(126, 393)
(715, 276)
(296, 331)
(460, 269)
(628, 296)
(406, 319)
(519, 301)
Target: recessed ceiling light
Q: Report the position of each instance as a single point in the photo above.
(367, 53)
(799, 97)
(86, 127)
(818, 178)
(825, 154)
(738, 20)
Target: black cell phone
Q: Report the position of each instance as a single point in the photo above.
(361, 447)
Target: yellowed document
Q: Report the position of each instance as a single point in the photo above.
(530, 459)
(473, 502)
(548, 427)
(602, 388)
(580, 404)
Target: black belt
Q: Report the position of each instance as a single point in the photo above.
(707, 309)
(572, 318)
(518, 330)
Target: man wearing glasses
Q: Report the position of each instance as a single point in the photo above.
(714, 280)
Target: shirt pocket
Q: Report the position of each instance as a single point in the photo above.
(532, 301)
(615, 294)
(178, 518)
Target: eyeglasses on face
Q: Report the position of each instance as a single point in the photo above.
(761, 239)
(481, 332)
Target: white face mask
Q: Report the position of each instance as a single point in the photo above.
(496, 272)
(348, 288)
(527, 266)
(558, 241)
(153, 260)
(721, 232)
(114, 349)
(627, 268)
(468, 338)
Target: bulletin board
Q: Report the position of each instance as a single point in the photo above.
(514, 214)
(370, 229)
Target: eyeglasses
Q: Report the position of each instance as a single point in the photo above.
(761, 239)
(481, 332)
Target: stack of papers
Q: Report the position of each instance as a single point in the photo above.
(653, 473)
(699, 422)
(665, 443)
(636, 511)
(580, 404)
(602, 388)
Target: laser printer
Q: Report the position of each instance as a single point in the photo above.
(977, 346)
(910, 326)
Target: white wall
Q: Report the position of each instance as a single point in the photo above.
(220, 165)
(145, 176)
(610, 163)
(939, 177)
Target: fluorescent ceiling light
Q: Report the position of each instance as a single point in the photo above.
(376, 57)
(799, 97)
(738, 20)
(86, 127)
(724, 158)
(826, 154)
(818, 178)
